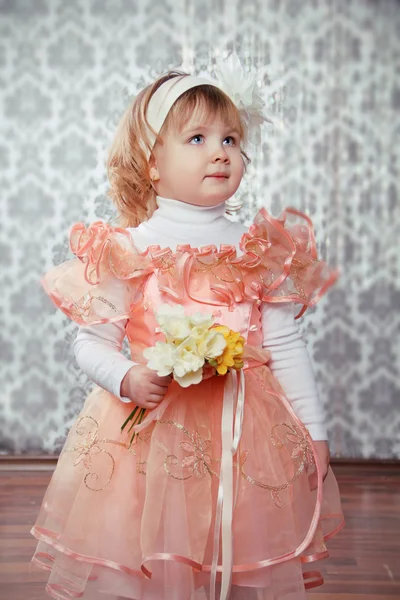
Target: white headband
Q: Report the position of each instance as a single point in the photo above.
(166, 95)
(240, 87)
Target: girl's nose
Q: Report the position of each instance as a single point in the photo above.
(220, 155)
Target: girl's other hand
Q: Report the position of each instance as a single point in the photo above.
(144, 387)
(324, 456)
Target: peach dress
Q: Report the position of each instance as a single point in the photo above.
(212, 499)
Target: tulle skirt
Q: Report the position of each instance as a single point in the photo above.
(136, 521)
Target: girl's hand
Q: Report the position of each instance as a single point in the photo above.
(144, 387)
(324, 456)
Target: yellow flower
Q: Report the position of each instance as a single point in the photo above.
(232, 355)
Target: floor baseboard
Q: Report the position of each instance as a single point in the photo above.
(47, 462)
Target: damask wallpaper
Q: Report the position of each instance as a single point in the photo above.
(329, 71)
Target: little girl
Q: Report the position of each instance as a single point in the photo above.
(226, 490)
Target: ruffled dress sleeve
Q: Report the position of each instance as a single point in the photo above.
(105, 280)
(285, 265)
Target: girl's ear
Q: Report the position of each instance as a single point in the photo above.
(154, 174)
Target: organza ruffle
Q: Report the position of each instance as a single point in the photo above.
(138, 521)
(106, 281)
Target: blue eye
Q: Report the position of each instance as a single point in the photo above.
(196, 137)
(232, 140)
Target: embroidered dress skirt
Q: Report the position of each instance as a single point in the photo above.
(138, 521)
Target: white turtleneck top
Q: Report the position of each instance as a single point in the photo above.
(97, 348)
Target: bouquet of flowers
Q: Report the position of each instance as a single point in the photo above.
(191, 341)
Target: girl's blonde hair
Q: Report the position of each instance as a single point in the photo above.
(128, 167)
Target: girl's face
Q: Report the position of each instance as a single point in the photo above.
(202, 164)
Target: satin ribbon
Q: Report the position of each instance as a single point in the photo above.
(231, 432)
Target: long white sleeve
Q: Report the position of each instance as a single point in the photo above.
(291, 365)
(97, 351)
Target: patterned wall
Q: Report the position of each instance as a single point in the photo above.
(330, 73)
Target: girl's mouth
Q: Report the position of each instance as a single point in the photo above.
(218, 176)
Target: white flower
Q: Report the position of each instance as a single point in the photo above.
(201, 320)
(165, 311)
(190, 341)
(173, 321)
(161, 358)
(212, 344)
(243, 91)
(188, 367)
(177, 329)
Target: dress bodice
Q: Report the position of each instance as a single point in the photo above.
(142, 329)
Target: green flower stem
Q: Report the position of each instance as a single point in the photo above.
(129, 418)
(138, 419)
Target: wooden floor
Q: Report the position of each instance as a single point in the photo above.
(364, 561)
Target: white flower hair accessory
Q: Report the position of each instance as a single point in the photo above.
(242, 89)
